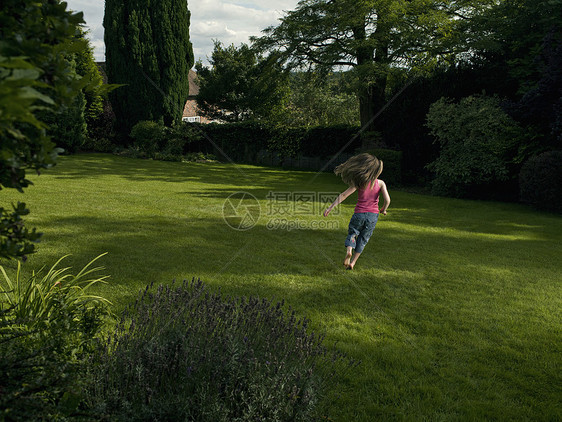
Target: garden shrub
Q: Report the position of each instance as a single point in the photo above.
(287, 142)
(477, 142)
(239, 142)
(199, 157)
(99, 145)
(67, 125)
(257, 142)
(148, 136)
(540, 181)
(183, 353)
(48, 325)
(100, 130)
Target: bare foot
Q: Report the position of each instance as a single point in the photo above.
(347, 260)
(350, 266)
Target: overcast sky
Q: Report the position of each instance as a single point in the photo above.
(229, 21)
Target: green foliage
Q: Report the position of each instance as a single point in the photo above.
(94, 94)
(35, 300)
(540, 181)
(287, 142)
(477, 142)
(67, 125)
(243, 141)
(15, 238)
(184, 353)
(48, 325)
(101, 134)
(35, 79)
(318, 100)
(523, 45)
(238, 142)
(240, 85)
(371, 37)
(179, 136)
(539, 110)
(99, 145)
(148, 50)
(25, 144)
(147, 136)
(255, 142)
(514, 31)
(326, 141)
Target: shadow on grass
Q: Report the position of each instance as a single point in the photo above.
(100, 165)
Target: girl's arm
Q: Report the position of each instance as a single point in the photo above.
(385, 196)
(341, 197)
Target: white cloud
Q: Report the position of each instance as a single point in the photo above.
(231, 22)
(212, 29)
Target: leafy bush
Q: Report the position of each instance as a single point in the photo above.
(183, 353)
(100, 130)
(477, 140)
(48, 324)
(67, 125)
(148, 136)
(99, 145)
(199, 157)
(239, 142)
(287, 142)
(16, 239)
(540, 181)
(245, 141)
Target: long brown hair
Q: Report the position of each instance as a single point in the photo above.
(360, 170)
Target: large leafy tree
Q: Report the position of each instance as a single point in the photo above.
(523, 44)
(36, 39)
(319, 100)
(148, 50)
(514, 35)
(239, 85)
(371, 37)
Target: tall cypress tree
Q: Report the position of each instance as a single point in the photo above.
(148, 50)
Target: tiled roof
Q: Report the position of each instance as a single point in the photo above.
(193, 86)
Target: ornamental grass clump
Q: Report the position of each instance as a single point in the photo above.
(184, 353)
(48, 325)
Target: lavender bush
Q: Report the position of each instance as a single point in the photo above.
(183, 353)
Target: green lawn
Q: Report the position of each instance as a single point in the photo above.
(454, 308)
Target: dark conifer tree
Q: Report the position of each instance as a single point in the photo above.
(148, 50)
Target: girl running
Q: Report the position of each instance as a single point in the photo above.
(361, 173)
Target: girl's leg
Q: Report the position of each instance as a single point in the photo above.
(354, 260)
(363, 238)
(353, 231)
(347, 259)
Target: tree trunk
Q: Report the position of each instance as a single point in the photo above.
(372, 93)
(371, 101)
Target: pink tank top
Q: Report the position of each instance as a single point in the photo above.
(368, 199)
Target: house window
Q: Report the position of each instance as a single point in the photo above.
(195, 119)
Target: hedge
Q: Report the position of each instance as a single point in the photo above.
(540, 181)
(319, 148)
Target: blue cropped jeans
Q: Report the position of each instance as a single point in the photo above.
(360, 229)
